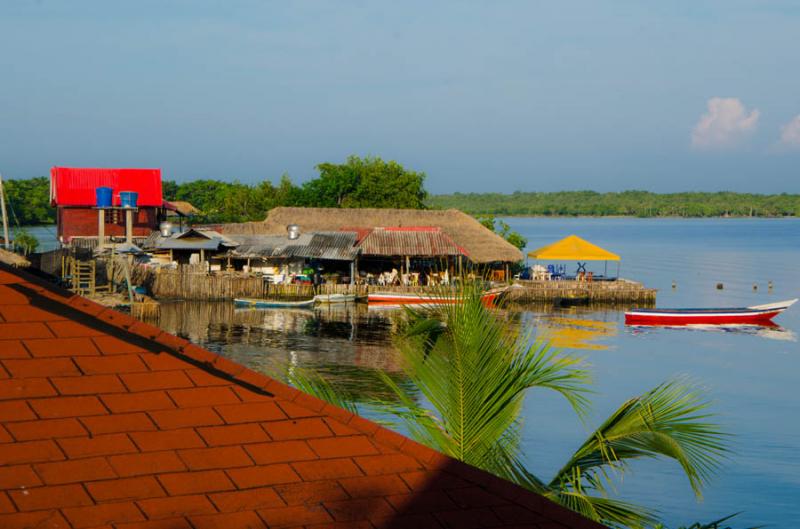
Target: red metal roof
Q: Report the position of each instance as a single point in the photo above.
(75, 186)
(107, 421)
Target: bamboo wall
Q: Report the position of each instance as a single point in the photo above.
(193, 283)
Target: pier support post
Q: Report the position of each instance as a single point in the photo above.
(101, 227)
(129, 226)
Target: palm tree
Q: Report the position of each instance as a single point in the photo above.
(475, 370)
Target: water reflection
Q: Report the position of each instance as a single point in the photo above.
(346, 343)
(770, 332)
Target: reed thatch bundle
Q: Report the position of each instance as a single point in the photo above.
(13, 259)
(481, 245)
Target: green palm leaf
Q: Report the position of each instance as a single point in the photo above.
(668, 421)
(475, 373)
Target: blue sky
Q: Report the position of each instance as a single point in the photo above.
(482, 96)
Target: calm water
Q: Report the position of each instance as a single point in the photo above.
(750, 376)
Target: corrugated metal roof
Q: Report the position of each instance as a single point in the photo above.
(421, 242)
(191, 240)
(75, 186)
(338, 246)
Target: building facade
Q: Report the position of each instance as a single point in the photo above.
(73, 194)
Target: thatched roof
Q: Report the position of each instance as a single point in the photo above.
(481, 244)
(13, 259)
(182, 208)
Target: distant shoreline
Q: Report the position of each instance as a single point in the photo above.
(523, 216)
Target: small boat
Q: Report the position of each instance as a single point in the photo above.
(273, 304)
(755, 315)
(335, 298)
(400, 298)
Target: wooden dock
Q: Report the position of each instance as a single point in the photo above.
(622, 291)
(194, 283)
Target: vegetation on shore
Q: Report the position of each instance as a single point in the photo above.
(375, 183)
(358, 183)
(626, 203)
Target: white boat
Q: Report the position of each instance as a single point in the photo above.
(335, 298)
(273, 304)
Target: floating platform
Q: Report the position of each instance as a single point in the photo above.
(567, 292)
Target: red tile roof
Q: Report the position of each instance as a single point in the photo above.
(106, 421)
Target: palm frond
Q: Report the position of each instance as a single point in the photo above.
(314, 383)
(610, 512)
(475, 371)
(670, 421)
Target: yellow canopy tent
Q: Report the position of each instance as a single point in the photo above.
(573, 248)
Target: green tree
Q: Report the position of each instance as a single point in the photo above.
(25, 243)
(169, 190)
(29, 201)
(475, 372)
(365, 183)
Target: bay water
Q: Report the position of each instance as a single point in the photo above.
(750, 375)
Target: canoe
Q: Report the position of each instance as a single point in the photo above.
(755, 315)
(424, 300)
(273, 304)
(335, 298)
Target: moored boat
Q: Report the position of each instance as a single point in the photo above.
(755, 315)
(335, 298)
(273, 304)
(409, 298)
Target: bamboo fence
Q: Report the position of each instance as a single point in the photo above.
(190, 282)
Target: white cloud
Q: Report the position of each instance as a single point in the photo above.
(724, 125)
(790, 133)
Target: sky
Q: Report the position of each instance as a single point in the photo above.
(481, 96)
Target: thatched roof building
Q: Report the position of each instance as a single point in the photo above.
(480, 244)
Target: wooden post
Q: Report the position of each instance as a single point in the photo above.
(101, 227)
(129, 226)
(6, 240)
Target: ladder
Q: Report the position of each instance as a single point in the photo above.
(83, 277)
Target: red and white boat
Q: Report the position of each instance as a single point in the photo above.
(402, 298)
(755, 315)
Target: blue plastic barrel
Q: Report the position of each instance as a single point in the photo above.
(103, 197)
(127, 199)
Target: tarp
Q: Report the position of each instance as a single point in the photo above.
(573, 248)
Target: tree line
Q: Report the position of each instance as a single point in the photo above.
(626, 203)
(357, 183)
(373, 182)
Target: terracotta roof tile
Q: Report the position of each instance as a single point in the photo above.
(106, 421)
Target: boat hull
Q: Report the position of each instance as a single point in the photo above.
(397, 299)
(699, 319)
(269, 304)
(755, 315)
(335, 298)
